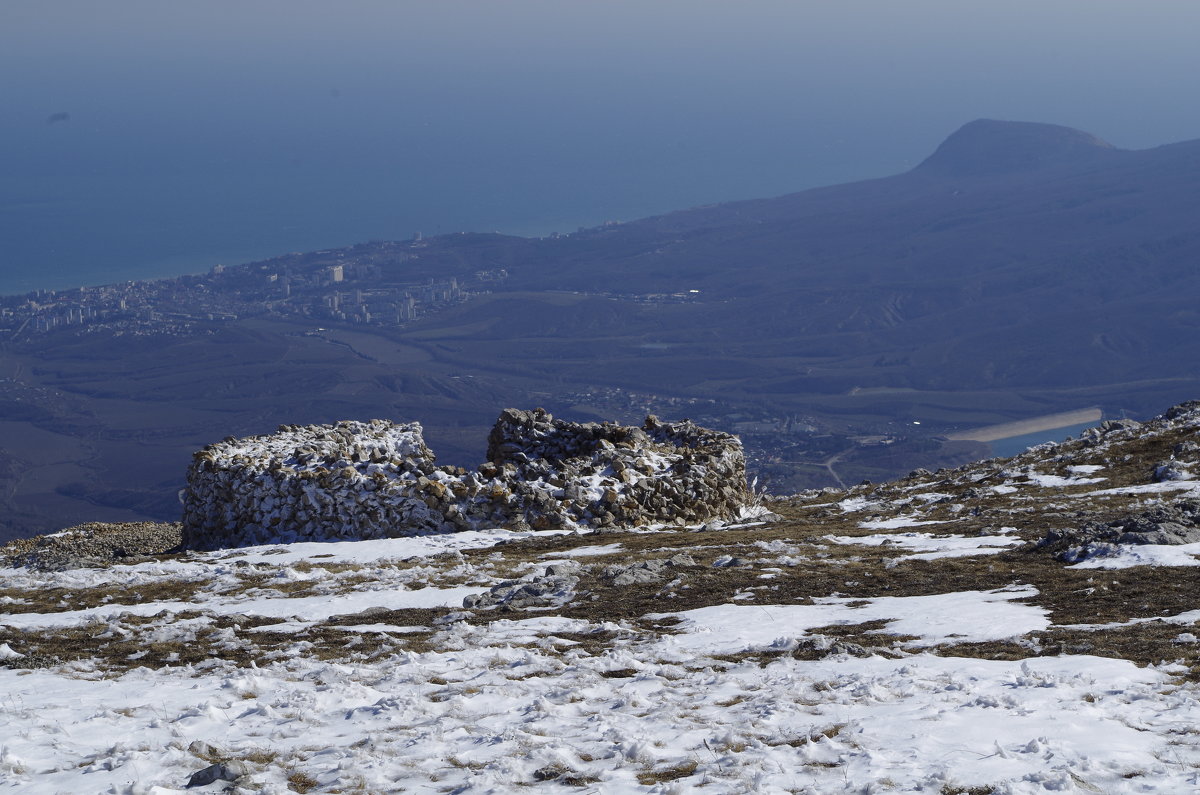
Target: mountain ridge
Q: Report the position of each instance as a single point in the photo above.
(991, 147)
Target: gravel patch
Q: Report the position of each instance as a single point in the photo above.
(92, 544)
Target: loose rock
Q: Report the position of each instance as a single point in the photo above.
(222, 771)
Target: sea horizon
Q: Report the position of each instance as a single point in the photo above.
(147, 139)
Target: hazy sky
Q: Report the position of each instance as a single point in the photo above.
(200, 129)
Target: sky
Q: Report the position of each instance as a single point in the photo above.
(144, 138)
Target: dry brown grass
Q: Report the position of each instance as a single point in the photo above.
(59, 600)
(299, 781)
(950, 789)
(324, 641)
(664, 774)
(1149, 643)
(827, 733)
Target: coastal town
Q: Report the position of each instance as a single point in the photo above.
(335, 285)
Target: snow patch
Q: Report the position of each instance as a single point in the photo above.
(1191, 487)
(896, 522)
(962, 617)
(931, 547)
(587, 552)
(1058, 481)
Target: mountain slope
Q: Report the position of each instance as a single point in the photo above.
(1009, 229)
(1015, 625)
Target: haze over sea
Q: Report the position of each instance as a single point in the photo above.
(146, 139)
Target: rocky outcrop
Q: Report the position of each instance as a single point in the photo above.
(552, 588)
(1174, 523)
(377, 479)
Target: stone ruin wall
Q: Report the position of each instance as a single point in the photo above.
(377, 479)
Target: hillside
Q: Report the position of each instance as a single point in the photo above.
(965, 273)
(1022, 270)
(1013, 625)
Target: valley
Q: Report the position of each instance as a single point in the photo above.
(848, 333)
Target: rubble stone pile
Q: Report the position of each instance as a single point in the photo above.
(91, 544)
(377, 479)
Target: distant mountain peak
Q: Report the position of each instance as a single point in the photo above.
(989, 147)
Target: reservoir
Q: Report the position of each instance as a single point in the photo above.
(1014, 445)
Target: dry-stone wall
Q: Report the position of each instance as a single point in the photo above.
(377, 479)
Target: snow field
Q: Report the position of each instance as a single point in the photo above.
(494, 713)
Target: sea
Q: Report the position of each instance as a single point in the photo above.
(184, 213)
(144, 139)
(157, 166)
(88, 206)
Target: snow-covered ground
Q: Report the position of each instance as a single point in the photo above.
(841, 649)
(525, 700)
